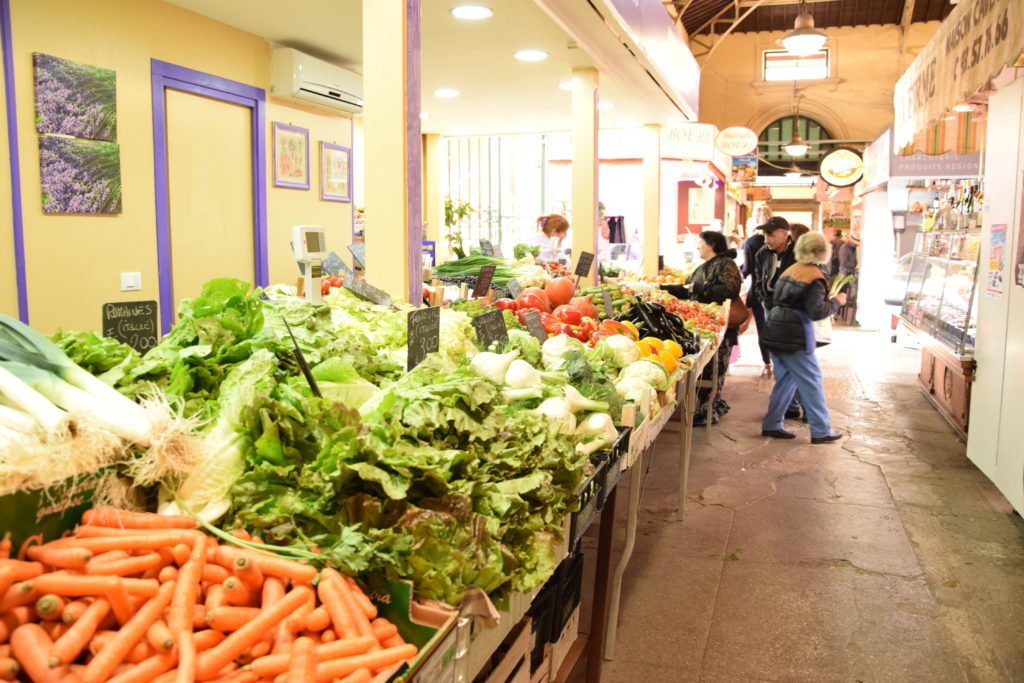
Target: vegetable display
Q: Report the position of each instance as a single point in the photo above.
(143, 597)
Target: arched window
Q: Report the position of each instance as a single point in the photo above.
(779, 132)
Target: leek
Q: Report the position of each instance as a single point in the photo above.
(24, 397)
(16, 419)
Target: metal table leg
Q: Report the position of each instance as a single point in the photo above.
(714, 392)
(620, 569)
(687, 408)
(599, 617)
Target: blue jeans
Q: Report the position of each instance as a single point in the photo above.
(798, 371)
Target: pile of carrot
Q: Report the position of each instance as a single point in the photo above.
(134, 597)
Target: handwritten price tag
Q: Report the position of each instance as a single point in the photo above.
(424, 334)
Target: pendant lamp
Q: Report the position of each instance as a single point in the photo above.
(796, 147)
(804, 39)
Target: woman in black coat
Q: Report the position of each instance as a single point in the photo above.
(717, 280)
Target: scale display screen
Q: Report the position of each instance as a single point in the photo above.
(313, 244)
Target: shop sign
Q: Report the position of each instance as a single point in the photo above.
(736, 141)
(994, 281)
(694, 141)
(841, 167)
(921, 165)
(744, 168)
(972, 46)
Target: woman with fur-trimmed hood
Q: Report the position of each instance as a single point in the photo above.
(801, 296)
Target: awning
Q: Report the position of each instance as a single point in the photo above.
(974, 44)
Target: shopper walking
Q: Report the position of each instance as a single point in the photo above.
(848, 267)
(837, 243)
(800, 297)
(552, 231)
(750, 247)
(717, 280)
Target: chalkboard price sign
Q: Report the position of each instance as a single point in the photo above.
(358, 250)
(333, 265)
(584, 263)
(483, 281)
(514, 288)
(535, 326)
(424, 334)
(609, 310)
(486, 248)
(133, 323)
(490, 328)
(368, 292)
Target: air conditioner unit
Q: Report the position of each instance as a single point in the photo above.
(298, 76)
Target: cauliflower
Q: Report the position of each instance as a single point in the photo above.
(527, 345)
(650, 371)
(617, 351)
(555, 347)
(639, 392)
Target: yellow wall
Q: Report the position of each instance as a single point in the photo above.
(74, 261)
(857, 102)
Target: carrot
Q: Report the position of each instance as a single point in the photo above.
(215, 573)
(160, 637)
(358, 676)
(236, 592)
(283, 640)
(167, 573)
(149, 541)
(328, 636)
(140, 651)
(274, 664)
(215, 597)
(331, 595)
(167, 677)
(117, 595)
(136, 520)
(79, 585)
(124, 567)
(72, 611)
(54, 629)
(318, 619)
(5, 650)
(260, 649)
(19, 594)
(9, 669)
(365, 604)
(23, 571)
(13, 619)
(182, 552)
(186, 657)
(338, 668)
(242, 535)
(5, 546)
(29, 645)
(101, 666)
(302, 665)
(66, 558)
(146, 670)
(362, 624)
(274, 566)
(187, 587)
(297, 621)
(393, 641)
(109, 557)
(49, 607)
(230, 618)
(246, 570)
(66, 649)
(211, 661)
(7, 578)
(383, 629)
(206, 638)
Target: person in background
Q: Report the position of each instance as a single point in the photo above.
(553, 229)
(797, 230)
(848, 266)
(750, 248)
(717, 280)
(837, 243)
(800, 296)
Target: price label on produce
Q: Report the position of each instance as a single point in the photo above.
(486, 248)
(367, 291)
(609, 310)
(358, 251)
(514, 288)
(333, 265)
(535, 326)
(584, 263)
(483, 281)
(424, 334)
(490, 327)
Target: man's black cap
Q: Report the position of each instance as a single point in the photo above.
(774, 223)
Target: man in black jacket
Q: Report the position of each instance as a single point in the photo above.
(773, 258)
(750, 247)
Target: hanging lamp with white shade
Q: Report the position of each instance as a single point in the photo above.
(804, 39)
(796, 147)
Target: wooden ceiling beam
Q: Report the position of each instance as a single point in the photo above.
(733, 23)
(773, 3)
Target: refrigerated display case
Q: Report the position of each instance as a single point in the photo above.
(941, 307)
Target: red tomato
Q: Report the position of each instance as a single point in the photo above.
(532, 301)
(507, 305)
(552, 325)
(541, 293)
(576, 333)
(569, 314)
(589, 325)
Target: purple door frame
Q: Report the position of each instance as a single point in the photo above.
(10, 101)
(166, 75)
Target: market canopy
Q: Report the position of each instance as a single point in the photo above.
(974, 44)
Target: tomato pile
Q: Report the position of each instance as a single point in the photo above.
(557, 269)
(698, 313)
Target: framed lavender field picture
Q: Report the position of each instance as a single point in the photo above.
(335, 172)
(291, 156)
(80, 176)
(74, 99)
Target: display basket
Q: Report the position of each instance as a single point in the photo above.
(570, 588)
(589, 496)
(614, 459)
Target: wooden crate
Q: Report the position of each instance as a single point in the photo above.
(560, 649)
(514, 666)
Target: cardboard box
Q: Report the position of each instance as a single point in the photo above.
(43, 514)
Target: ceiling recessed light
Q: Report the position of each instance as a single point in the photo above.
(531, 55)
(605, 105)
(472, 12)
(446, 93)
(424, 115)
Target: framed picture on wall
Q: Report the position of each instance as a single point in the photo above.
(291, 156)
(335, 172)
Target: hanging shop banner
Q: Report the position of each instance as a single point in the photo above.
(694, 141)
(974, 43)
(744, 168)
(736, 141)
(841, 167)
(994, 280)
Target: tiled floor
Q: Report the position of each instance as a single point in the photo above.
(884, 557)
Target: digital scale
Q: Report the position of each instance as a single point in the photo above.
(310, 247)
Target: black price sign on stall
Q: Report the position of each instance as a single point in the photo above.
(609, 310)
(533, 323)
(486, 248)
(333, 265)
(424, 334)
(359, 252)
(483, 281)
(514, 288)
(584, 263)
(490, 328)
(133, 323)
(368, 292)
